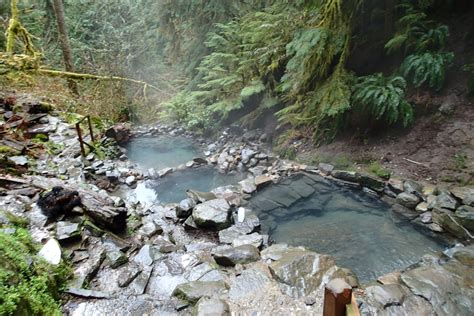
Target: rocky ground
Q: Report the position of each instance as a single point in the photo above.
(206, 255)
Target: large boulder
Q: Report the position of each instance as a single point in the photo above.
(230, 256)
(465, 216)
(446, 220)
(185, 207)
(413, 187)
(386, 295)
(408, 200)
(298, 271)
(445, 290)
(404, 211)
(372, 183)
(213, 214)
(350, 176)
(444, 200)
(120, 132)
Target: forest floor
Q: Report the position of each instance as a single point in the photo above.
(437, 148)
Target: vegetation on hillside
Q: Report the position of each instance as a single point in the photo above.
(304, 61)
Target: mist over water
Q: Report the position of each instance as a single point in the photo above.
(161, 151)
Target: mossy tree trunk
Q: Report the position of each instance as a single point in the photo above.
(12, 27)
(58, 7)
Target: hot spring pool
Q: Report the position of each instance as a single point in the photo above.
(359, 230)
(172, 188)
(161, 151)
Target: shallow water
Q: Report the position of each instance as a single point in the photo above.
(161, 151)
(172, 188)
(359, 230)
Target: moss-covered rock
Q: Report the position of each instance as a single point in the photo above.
(28, 284)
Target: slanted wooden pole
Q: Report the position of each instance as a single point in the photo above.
(337, 295)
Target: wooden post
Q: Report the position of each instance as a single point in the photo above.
(337, 295)
(90, 128)
(79, 136)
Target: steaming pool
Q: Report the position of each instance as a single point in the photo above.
(172, 188)
(161, 151)
(359, 230)
(166, 151)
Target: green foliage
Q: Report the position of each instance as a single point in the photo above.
(460, 161)
(52, 148)
(324, 108)
(28, 285)
(254, 88)
(427, 68)
(381, 172)
(416, 32)
(186, 109)
(244, 55)
(425, 40)
(383, 99)
(312, 53)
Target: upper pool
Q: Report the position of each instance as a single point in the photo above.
(161, 151)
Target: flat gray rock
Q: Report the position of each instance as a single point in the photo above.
(213, 214)
(387, 295)
(248, 283)
(254, 239)
(212, 306)
(230, 256)
(67, 231)
(194, 290)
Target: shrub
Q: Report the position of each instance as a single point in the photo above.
(383, 99)
(379, 171)
(427, 68)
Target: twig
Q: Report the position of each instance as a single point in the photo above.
(416, 162)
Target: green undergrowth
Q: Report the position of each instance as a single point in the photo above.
(28, 284)
(377, 169)
(341, 162)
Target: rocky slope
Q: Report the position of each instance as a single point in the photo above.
(205, 255)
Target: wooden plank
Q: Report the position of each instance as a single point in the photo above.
(337, 295)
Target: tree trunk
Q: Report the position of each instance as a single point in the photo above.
(12, 27)
(64, 41)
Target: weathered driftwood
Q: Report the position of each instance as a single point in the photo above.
(99, 208)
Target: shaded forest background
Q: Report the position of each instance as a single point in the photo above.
(309, 69)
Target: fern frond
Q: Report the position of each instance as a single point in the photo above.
(383, 98)
(427, 68)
